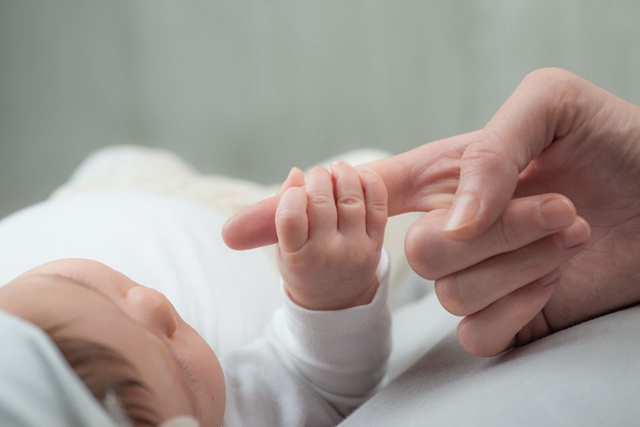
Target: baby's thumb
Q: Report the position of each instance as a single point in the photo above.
(294, 179)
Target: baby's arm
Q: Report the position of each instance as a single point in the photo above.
(330, 235)
(326, 349)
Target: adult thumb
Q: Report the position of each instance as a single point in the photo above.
(542, 109)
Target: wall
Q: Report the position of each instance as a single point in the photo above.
(251, 88)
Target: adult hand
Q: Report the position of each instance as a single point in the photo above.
(512, 227)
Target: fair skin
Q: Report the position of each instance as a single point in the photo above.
(531, 221)
(101, 305)
(330, 232)
(330, 229)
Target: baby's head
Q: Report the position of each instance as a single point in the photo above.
(125, 341)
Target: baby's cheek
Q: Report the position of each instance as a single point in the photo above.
(212, 397)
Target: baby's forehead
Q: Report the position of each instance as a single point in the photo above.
(36, 289)
(52, 301)
(77, 268)
(88, 273)
(65, 309)
(48, 283)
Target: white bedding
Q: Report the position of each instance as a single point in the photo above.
(588, 375)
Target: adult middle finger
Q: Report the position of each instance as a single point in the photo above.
(475, 288)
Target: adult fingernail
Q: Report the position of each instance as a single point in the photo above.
(556, 213)
(464, 211)
(575, 235)
(548, 279)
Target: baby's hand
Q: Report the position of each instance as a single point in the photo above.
(330, 235)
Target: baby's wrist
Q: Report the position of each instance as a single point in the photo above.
(357, 288)
(319, 301)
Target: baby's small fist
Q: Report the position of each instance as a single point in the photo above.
(330, 237)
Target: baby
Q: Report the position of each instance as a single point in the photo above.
(323, 354)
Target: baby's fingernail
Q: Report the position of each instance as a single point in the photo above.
(464, 211)
(289, 174)
(363, 171)
(286, 179)
(556, 213)
(338, 163)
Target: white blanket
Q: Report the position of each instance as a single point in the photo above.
(588, 375)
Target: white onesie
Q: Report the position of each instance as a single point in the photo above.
(308, 369)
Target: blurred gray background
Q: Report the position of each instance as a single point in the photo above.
(249, 88)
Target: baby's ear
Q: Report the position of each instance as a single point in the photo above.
(294, 179)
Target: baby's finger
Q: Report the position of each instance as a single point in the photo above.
(321, 205)
(255, 226)
(294, 179)
(376, 202)
(292, 224)
(349, 200)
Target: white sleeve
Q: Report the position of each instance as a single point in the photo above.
(313, 368)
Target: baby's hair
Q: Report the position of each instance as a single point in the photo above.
(112, 380)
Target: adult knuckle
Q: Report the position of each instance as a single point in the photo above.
(490, 151)
(560, 87)
(549, 76)
(481, 149)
